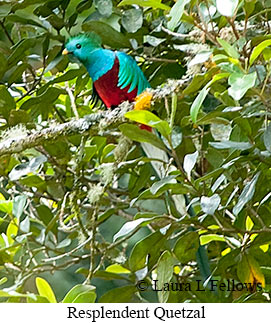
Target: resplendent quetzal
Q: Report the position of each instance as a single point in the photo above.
(116, 78)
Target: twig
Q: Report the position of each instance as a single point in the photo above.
(72, 99)
(174, 34)
(63, 226)
(92, 249)
(231, 22)
(6, 32)
(81, 245)
(92, 123)
(80, 126)
(163, 60)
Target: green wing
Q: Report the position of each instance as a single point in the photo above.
(131, 74)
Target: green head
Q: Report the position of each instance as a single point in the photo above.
(82, 45)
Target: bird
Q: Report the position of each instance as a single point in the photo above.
(116, 78)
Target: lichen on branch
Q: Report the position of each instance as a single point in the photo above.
(93, 123)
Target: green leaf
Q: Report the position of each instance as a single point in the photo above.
(24, 21)
(25, 225)
(64, 243)
(132, 20)
(207, 238)
(86, 292)
(122, 294)
(69, 75)
(249, 223)
(33, 181)
(58, 149)
(139, 254)
(164, 274)
(117, 269)
(55, 188)
(17, 73)
(249, 7)
(174, 187)
(56, 21)
(37, 299)
(220, 57)
(17, 117)
(149, 119)
(244, 125)
(135, 133)
(109, 35)
(45, 290)
(261, 239)
(3, 280)
(189, 163)
(200, 58)
(42, 10)
(176, 137)
(26, 168)
(212, 174)
(7, 102)
(196, 105)
(258, 50)
(105, 275)
(87, 297)
(104, 7)
(128, 227)
(5, 9)
(249, 271)
(161, 183)
(19, 50)
(57, 61)
(83, 5)
(246, 195)
(227, 144)
(44, 99)
(105, 215)
(176, 13)
(210, 204)
(12, 230)
(19, 205)
(145, 3)
(45, 214)
(13, 293)
(267, 138)
(186, 247)
(6, 206)
(256, 270)
(3, 65)
(240, 84)
(230, 50)
(227, 7)
(267, 54)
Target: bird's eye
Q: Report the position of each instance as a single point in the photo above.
(78, 46)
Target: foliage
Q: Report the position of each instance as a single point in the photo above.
(89, 210)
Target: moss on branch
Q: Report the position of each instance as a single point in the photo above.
(92, 123)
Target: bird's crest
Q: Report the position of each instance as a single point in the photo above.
(90, 37)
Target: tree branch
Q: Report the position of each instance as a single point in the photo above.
(92, 123)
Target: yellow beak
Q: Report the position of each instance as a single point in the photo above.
(65, 51)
